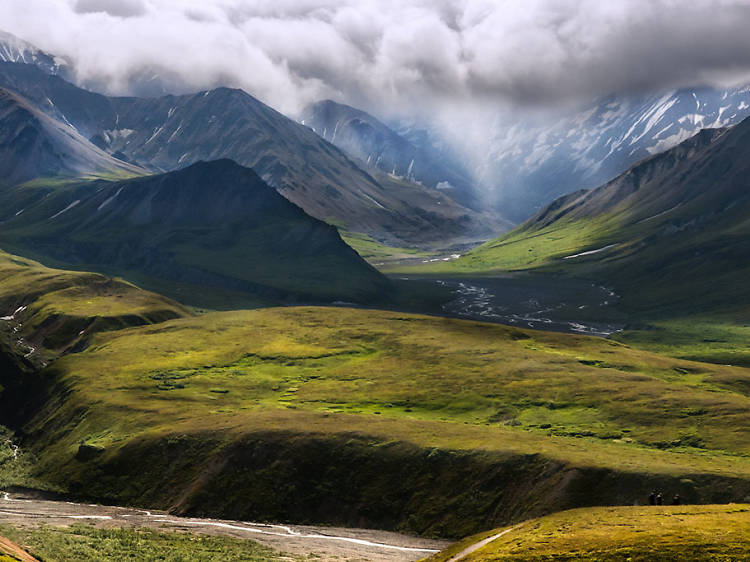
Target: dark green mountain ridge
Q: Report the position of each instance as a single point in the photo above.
(212, 228)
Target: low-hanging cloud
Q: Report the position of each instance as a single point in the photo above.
(394, 55)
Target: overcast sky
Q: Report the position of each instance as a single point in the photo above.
(397, 54)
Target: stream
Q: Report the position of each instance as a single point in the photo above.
(537, 302)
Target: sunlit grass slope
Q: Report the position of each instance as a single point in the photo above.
(360, 417)
(44, 313)
(525, 248)
(647, 534)
(56, 308)
(435, 382)
(378, 254)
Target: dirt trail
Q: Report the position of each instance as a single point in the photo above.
(12, 549)
(476, 546)
(327, 543)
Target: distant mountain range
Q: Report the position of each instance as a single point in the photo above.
(532, 161)
(211, 234)
(174, 131)
(531, 158)
(379, 147)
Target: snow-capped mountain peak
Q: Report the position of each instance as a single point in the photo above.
(14, 49)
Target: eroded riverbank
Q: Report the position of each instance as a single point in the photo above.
(324, 543)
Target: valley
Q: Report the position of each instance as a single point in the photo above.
(232, 333)
(294, 398)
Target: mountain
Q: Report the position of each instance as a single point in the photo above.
(672, 231)
(175, 131)
(13, 49)
(33, 145)
(533, 160)
(367, 139)
(211, 231)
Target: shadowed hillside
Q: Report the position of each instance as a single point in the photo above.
(213, 227)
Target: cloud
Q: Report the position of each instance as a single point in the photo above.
(414, 55)
(117, 8)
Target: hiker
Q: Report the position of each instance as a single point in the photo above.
(652, 497)
(676, 500)
(659, 499)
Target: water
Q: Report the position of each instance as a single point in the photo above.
(538, 302)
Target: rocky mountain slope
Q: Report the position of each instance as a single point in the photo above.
(209, 233)
(14, 49)
(175, 131)
(379, 147)
(33, 144)
(533, 160)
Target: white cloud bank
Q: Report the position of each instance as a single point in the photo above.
(386, 54)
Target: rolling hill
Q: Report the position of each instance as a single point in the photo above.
(356, 417)
(347, 416)
(171, 132)
(208, 234)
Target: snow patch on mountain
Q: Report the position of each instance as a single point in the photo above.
(531, 160)
(14, 49)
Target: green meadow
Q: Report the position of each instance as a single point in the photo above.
(434, 382)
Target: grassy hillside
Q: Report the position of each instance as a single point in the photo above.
(52, 310)
(213, 234)
(525, 248)
(415, 421)
(355, 417)
(647, 534)
(83, 542)
(45, 313)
